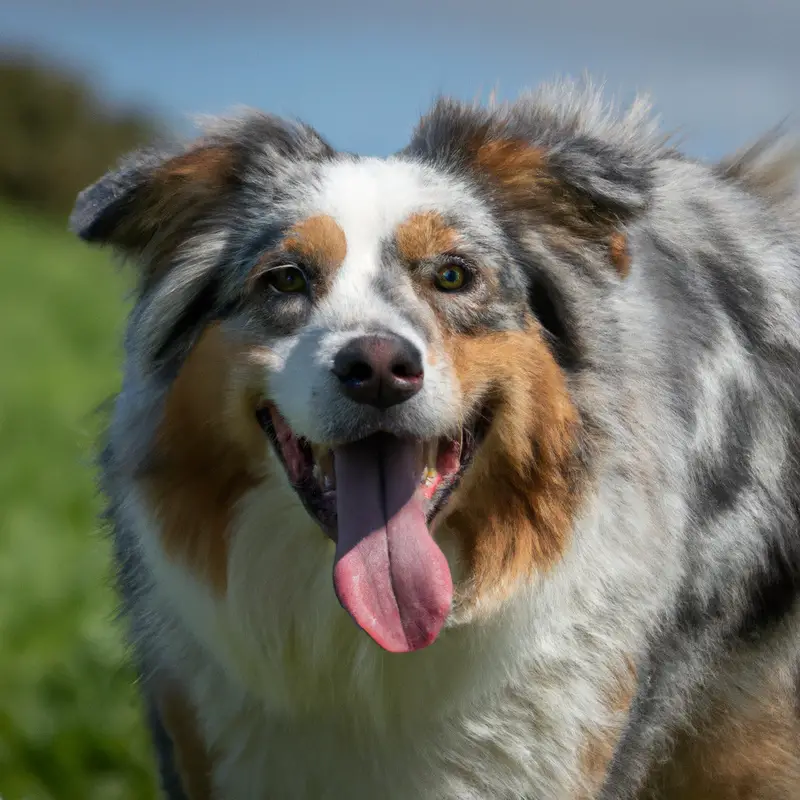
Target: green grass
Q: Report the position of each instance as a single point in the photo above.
(70, 721)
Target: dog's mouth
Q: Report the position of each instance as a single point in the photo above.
(312, 472)
(377, 499)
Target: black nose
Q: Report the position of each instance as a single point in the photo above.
(380, 370)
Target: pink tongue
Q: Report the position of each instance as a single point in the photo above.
(389, 573)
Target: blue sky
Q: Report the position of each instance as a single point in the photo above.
(362, 71)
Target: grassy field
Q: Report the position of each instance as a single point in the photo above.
(70, 723)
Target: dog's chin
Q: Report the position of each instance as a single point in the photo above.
(441, 464)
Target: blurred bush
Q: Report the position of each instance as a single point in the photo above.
(70, 718)
(56, 136)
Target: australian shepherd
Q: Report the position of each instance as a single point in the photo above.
(471, 473)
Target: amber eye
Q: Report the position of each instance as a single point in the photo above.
(451, 277)
(288, 279)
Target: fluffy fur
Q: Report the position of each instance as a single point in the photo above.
(625, 546)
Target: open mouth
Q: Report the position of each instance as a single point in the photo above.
(376, 498)
(311, 469)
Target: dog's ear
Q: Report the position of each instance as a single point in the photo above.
(153, 193)
(157, 198)
(543, 163)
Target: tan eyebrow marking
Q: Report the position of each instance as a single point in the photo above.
(424, 235)
(319, 239)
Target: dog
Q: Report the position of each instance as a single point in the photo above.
(467, 473)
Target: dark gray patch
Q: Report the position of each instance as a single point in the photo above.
(550, 308)
(130, 578)
(797, 689)
(688, 316)
(99, 208)
(276, 315)
(615, 180)
(719, 478)
(246, 250)
(773, 587)
(169, 781)
(737, 288)
(195, 315)
(773, 584)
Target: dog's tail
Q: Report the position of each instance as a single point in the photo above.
(769, 167)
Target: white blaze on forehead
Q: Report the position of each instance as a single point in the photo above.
(369, 198)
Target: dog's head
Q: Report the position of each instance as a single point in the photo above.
(400, 331)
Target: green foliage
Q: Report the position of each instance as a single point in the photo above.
(56, 136)
(70, 720)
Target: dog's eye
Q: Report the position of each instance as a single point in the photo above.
(451, 278)
(288, 279)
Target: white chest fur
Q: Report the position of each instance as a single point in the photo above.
(297, 703)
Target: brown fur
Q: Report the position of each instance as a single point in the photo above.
(620, 257)
(205, 454)
(521, 172)
(743, 749)
(516, 166)
(568, 219)
(424, 235)
(317, 242)
(192, 761)
(318, 239)
(175, 198)
(601, 743)
(513, 512)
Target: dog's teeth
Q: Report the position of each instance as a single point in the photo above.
(324, 473)
(328, 480)
(421, 455)
(431, 451)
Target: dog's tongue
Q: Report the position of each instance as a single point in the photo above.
(389, 573)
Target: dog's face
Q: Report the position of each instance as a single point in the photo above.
(378, 323)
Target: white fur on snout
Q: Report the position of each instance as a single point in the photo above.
(310, 397)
